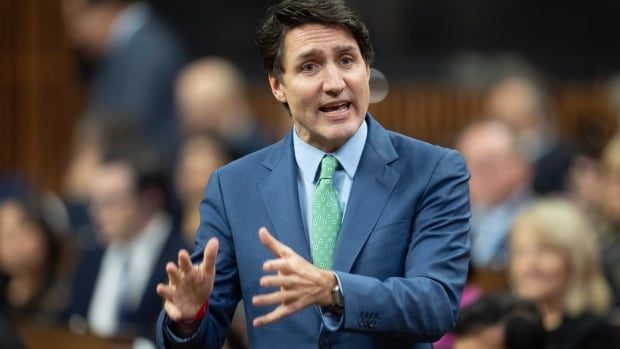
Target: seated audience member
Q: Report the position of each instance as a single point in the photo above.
(521, 102)
(31, 258)
(212, 98)
(115, 282)
(198, 157)
(609, 223)
(500, 321)
(92, 136)
(499, 189)
(554, 262)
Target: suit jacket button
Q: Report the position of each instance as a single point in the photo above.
(372, 323)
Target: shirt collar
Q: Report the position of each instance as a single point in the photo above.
(153, 233)
(348, 155)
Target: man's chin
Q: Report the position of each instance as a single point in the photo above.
(342, 133)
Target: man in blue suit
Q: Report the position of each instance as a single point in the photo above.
(362, 232)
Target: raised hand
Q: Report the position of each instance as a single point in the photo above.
(189, 286)
(301, 283)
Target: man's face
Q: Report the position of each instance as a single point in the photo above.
(115, 206)
(325, 83)
(497, 171)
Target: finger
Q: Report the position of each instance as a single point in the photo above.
(280, 265)
(165, 292)
(174, 275)
(185, 263)
(286, 281)
(275, 246)
(277, 314)
(283, 296)
(209, 255)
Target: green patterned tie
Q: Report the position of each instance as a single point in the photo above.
(326, 215)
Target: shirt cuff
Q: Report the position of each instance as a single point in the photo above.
(180, 332)
(169, 332)
(333, 322)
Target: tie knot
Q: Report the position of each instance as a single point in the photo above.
(328, 167)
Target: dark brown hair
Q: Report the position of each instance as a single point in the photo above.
(289, 14)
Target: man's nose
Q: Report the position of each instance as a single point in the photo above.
(333, 83)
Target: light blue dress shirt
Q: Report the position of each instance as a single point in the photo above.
(308, 160)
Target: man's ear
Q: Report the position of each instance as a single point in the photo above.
(276, 88)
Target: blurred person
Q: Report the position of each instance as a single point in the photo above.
(555, 262)
(369, 246)
(33, 247)
(521, 102)
(609, 220)
(500, 321)
(137, 57)
(114, 282)
(499, 188)
(198, 157)
(212, 98)
(91, 137)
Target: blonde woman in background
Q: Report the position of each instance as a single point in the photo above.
(554, 261)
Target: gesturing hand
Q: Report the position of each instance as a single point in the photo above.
(189, 286)
(301, 283)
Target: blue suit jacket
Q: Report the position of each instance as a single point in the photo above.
(401, 256)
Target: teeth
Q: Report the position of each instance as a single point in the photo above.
(342, 106)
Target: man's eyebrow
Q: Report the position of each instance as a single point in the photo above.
(308, 54)
(311, 53)
(344, 48)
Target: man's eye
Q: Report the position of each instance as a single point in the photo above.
(308, 67)
(346, 60)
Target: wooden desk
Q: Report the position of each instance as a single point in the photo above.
(36, 337)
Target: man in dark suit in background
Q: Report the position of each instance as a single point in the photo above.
(369, 246)
(137, 59)
(114, 284)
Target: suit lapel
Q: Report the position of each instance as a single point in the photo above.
(279, 193)
(372, 186)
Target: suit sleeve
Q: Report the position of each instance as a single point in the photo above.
(422, 304)
(226, 292)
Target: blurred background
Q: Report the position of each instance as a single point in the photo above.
(439, 57)
(113, 113)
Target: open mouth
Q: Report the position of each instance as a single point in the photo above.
(335, 107)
